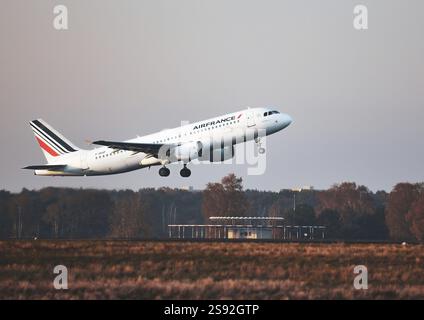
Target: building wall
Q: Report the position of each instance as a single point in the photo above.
(249, 233)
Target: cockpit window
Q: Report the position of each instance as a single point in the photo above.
(268, 113)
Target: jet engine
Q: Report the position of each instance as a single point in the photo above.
(185, 152)
(218, 154)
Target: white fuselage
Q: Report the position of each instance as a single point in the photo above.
(233, 128)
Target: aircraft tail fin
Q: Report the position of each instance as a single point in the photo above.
(51, 142)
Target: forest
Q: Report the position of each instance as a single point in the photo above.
(349, 211)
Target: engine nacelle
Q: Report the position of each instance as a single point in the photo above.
(218, 154)
(185, 152)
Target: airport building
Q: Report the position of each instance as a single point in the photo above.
(231, 228)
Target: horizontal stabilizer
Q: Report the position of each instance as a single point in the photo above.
(47, 167)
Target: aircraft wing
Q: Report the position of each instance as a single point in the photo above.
(150, 148)
(47, 167)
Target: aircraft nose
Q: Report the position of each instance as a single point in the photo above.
(286, 120)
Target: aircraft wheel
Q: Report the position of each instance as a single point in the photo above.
(164, 172)
(261, 150)
(185, 172)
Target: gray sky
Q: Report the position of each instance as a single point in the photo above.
(134, 67)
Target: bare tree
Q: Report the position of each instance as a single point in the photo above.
(225, 198)
(415, 218)
(399, 203)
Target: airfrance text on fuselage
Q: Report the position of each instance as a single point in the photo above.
(212, 123)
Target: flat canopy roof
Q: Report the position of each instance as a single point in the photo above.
(246, 218)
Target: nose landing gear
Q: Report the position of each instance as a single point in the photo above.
(185, 172)
(261, 150)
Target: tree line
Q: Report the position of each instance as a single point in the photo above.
(349, 211)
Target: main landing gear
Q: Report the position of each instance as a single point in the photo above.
(185, 172)
(164, 172)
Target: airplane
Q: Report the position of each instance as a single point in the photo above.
(209, 140)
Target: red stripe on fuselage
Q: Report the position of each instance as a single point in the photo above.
(46, 147)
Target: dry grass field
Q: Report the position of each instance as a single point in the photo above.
(184, 270)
